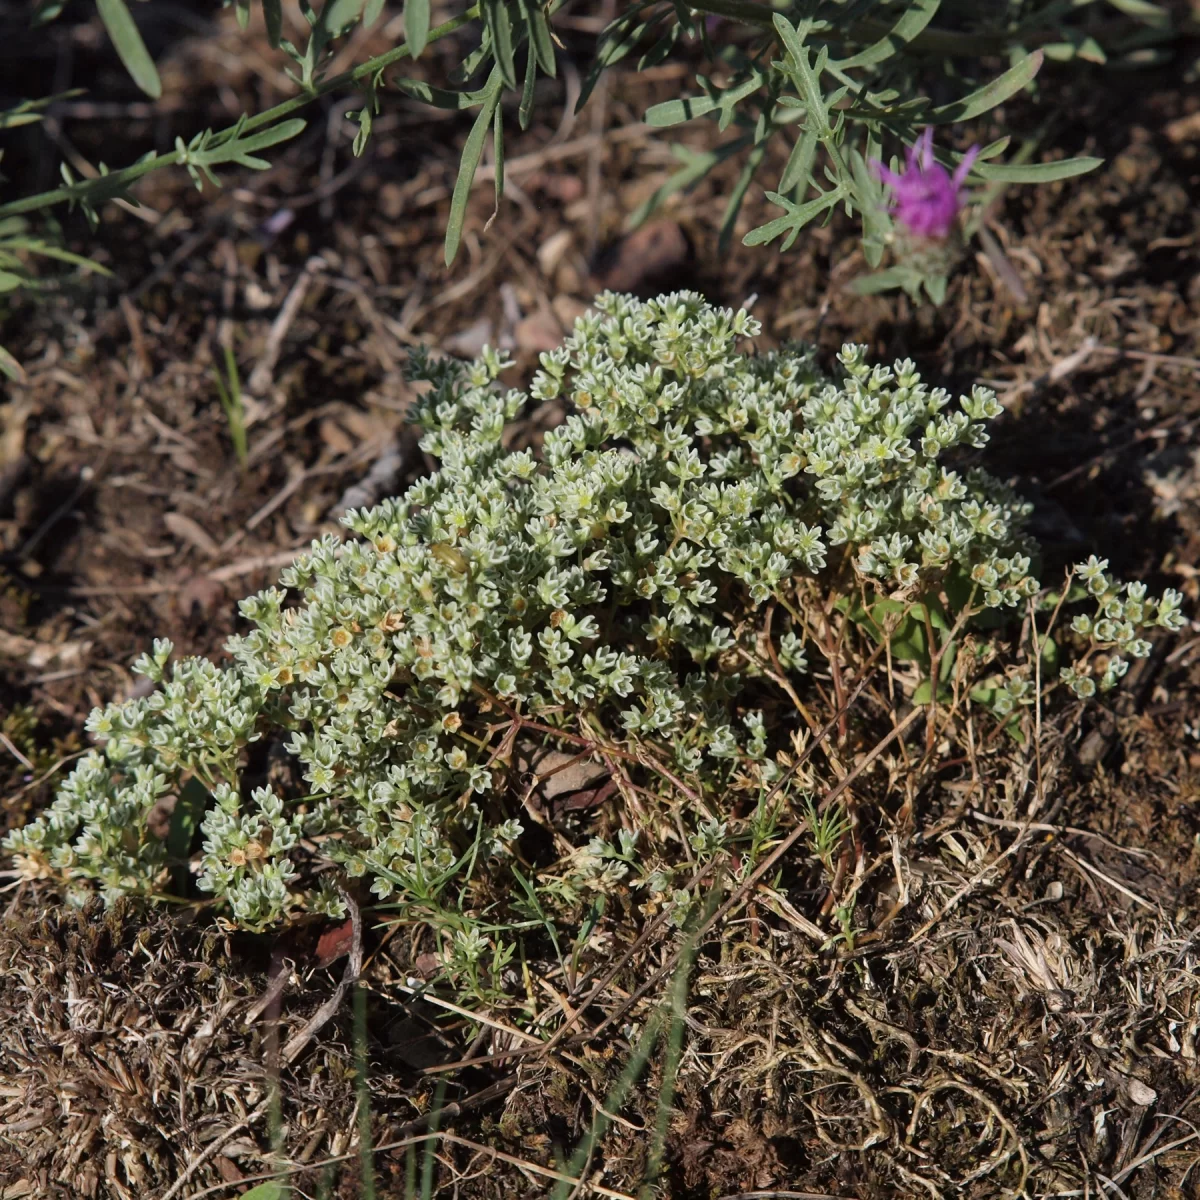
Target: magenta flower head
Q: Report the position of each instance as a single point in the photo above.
(926, 198)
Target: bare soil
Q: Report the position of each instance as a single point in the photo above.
(1019, 1011)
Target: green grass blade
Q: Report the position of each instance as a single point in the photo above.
(130, 48)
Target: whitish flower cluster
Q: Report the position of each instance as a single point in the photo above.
(601, 587)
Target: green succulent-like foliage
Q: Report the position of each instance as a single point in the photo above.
(606, 588)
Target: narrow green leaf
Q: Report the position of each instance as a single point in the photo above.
(908, 27)
(272, 135)
(1048, 172)
(271, 1190)
(472, 152)
(527, 92)
(935, 287)
(498, 149)
(439, 97)
(674, 112)
(661, 50)
(363, 136)
(241, 10)
(987, 97)
(499, 24)
(130, 48)
(61, 255)
(10, 367)
(340, 14)
(800, 161)
(1152, 14)
(372, 11)
(540, 37)
(618, 41)
(46, 10)
(882, 281)
(273, 18)
(993, 148)
(10, 282)
(482, 53)
(416, 25)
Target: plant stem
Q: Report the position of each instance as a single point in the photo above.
(128, 175)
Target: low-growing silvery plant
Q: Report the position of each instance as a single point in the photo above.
(605, 597)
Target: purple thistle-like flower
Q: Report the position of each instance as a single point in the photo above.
(925, 197)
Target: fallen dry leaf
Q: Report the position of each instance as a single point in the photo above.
(199, 597)
(538, 333)
(335, 943)
(190, 531)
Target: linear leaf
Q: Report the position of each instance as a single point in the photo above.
(910, 24)
(499, 23)
(416, 25)
(440, 97)
(987, 97)
(1152, 14)
(472, 152)
(272, 135)
(525, 111)
(674, 112)
(271, 1190)
(800, 161)
(338, 14)
(130, 48)
(498, 150)
(61, 255)
(617, 41)
(1036, 172)
(10, 367)
(273, 18)
(540, 38)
